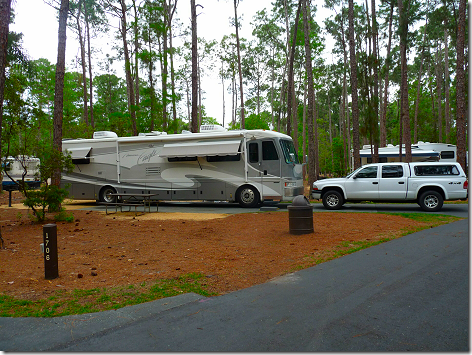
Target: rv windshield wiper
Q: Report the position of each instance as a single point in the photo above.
(199, 164)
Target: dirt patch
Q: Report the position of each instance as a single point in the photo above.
(233, 251)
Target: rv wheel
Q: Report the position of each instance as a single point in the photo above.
(248, 196)
(105, 194)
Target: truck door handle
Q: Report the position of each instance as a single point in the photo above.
(401, 182)
(375, 183)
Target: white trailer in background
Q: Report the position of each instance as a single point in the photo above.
(420, 151)
(247, 166)
(13, 169)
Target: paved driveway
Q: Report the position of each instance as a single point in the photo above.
(410, 294)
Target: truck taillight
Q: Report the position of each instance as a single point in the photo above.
(466, 184)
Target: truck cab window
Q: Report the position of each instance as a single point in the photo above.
(367, 173)
(268, 151)
(253, 153)
(392, 171)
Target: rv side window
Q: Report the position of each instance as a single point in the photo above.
(436, 170)
(216, 158)
(7, 166)
(289, 151)
(392, 171)
(81, 161)
(253, 153)
(268, 151)
(181, 159)
(447, 154)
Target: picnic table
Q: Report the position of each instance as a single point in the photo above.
(131, 200)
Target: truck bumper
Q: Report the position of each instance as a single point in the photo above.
(316, 194)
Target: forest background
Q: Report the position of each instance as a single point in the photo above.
(398, 73)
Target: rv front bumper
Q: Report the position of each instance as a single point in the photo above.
(290, 192)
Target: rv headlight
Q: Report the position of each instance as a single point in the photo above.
(290, 184)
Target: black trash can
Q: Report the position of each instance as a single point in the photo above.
(300, 216)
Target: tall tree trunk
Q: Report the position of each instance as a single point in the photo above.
(355, 99)
(84, 69)
(311, 96)
(446, 79)
(164, 80)
(438, 73)
(5, 12)
(129, 79)
(405, 109)
(291, 79)
(194, 69)
(200, 117)
(171, 11)
(59, 86)
(460, 88)
(151, 84)
(238, 47)
(375, 98)
(89, 54)
(136, 54)
(418, 87)
(223, 93)
(383, 118)
(272, 77)
(344, 109)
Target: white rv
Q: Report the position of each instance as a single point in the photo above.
(420, 151)
(16, 167)
(247, 166)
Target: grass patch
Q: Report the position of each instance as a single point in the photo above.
(102, 299)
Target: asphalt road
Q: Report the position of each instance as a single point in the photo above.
(459, 210)
(410, 294)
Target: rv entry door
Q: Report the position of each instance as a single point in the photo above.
(264, 165)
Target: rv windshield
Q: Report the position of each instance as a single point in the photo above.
(289, 151)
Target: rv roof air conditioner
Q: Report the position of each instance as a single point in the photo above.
(212, 127)
(152, 133)
(104, 134)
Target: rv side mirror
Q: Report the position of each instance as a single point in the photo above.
(355, 177)
(292, 157)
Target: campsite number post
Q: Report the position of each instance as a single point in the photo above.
(51, 270)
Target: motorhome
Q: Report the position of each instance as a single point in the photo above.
(13, 169)
(246, 166)
(420, 151)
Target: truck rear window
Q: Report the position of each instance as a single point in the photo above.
(436, 170)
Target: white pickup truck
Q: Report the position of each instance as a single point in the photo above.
(428, 184)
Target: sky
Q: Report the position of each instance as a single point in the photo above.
(40, 39)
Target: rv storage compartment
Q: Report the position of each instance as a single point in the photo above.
(300, 216)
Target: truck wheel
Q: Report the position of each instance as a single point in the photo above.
(247, 196)
(333, 200)
(430, 201)
(104, 195)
